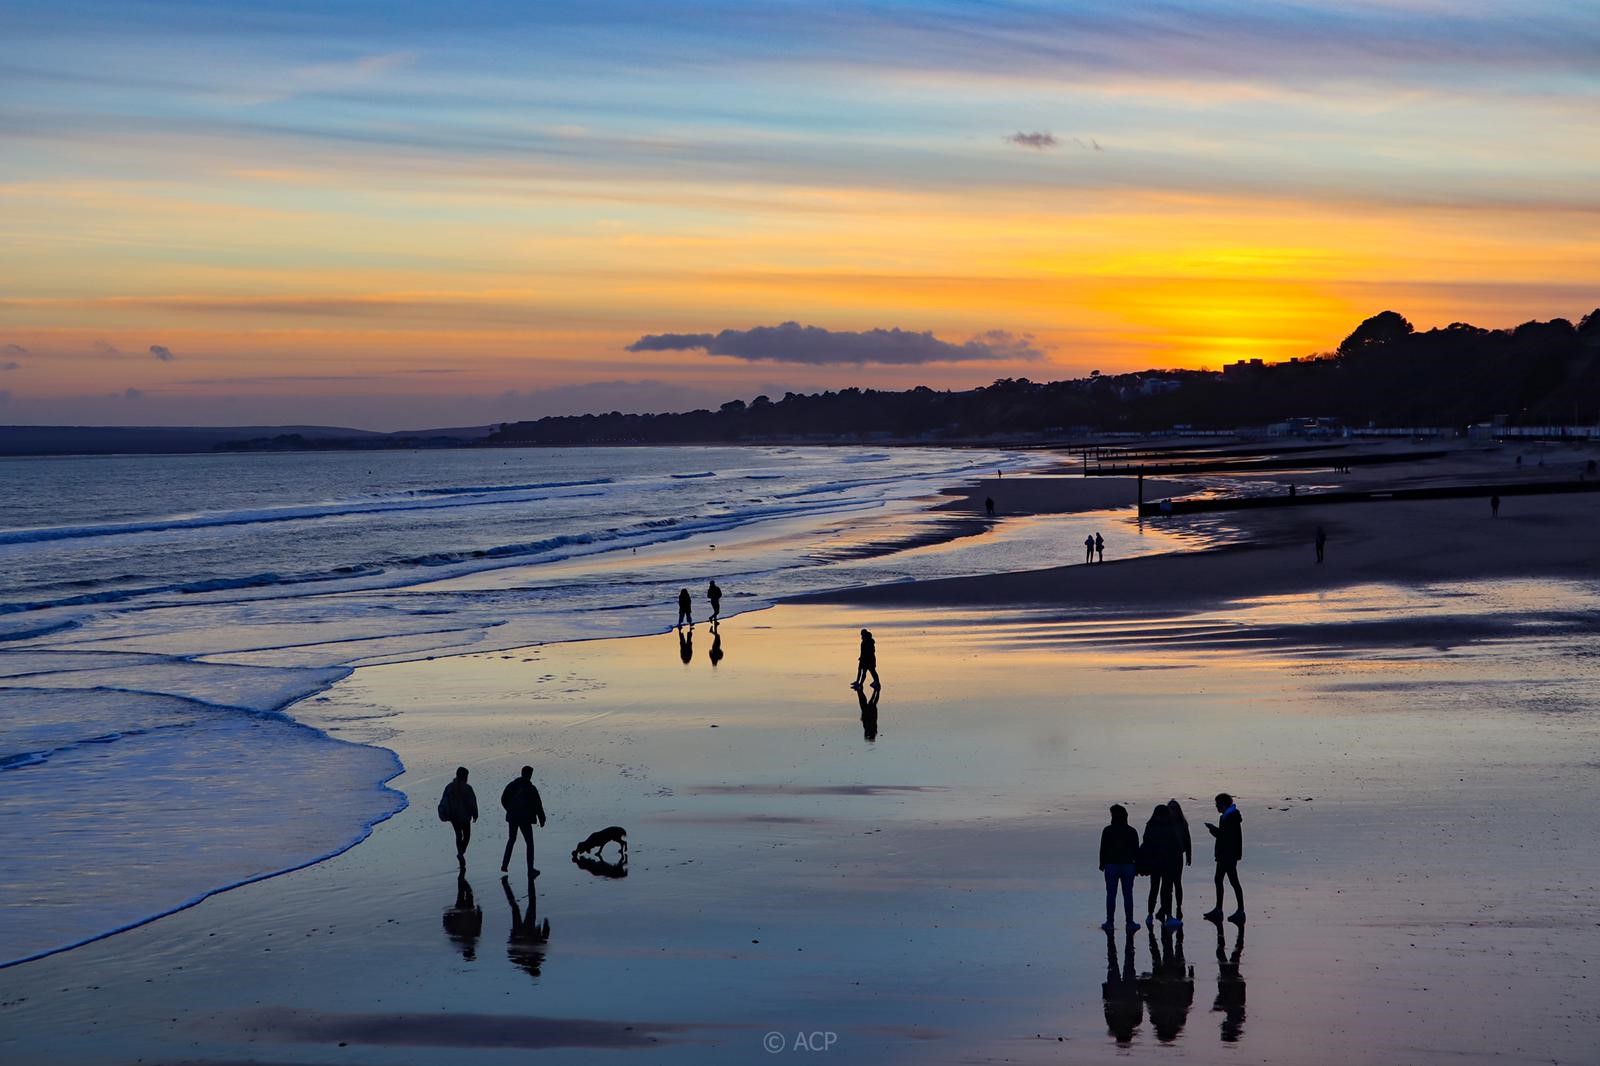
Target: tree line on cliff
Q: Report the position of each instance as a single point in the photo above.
(1385, 373)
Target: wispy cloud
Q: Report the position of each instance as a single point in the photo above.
(17, 349)
(101, 347)
(10, 366)
(162, 352)
(132, 393)
(791, 342)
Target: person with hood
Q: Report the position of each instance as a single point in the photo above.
(1119, 857)
(459, 807)
(1229, 850)
(1185, 856)
(523, 807)
(868, 662)
(1159, 856)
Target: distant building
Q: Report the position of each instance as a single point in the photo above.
(1243, 370)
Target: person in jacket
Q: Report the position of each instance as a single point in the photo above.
(1119, 857)
(684, 613)
(523, 807)
(459, 807)
(714, 594)
(1186, 858)
(868, 662)
(1229, 832)
(1160, 856)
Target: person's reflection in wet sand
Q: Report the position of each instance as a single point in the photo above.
(1230, 987)
(1169, 990)
(525, 946)
(1124, 1008)
(463, 920)
(869, 712)
(716, 645)
(686, 644)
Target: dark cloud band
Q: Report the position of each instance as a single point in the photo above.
(794, 343)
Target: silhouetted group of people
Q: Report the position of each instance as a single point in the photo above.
(1163, 853)
(1094, 549)
(520, 799)
(686, 606)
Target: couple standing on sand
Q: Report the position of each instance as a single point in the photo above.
(459, 807)
(1092, 547)
(1162, 855)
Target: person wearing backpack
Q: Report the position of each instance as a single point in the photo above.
(1159, 856)
(459, 807)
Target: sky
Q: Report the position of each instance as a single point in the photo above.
(403, 215)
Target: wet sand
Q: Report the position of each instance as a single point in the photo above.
(1420, 850)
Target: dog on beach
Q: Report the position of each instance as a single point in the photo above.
(596, 842)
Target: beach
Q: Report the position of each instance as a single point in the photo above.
(1409, 728)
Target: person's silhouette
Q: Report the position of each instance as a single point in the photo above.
(1120, 990)
(1160, 856)
(869, 711)
(716, 645)
(1321, 541)
(1099, 548)
(1119, 858)
(1088, 548)
(1494, 506)
(1230, 987)
(683, 608)
(463, 920)
(523, 807)
(1229, 832)
(525, 945)
(867, 663)
(1186, 853)
(1169, 990)
(459, 807)
(714, 594)
(988, 505)
(686, 644)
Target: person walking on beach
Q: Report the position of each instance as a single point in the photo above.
(683, 608)
(459, 807)
(868, 662)
(1159, 856)
(1230, 849)
(1088, 549)
(988, 505)
(1119, 857)
(714, 594)
(523, 807)
(1322, 542)
(1185, 856)
(1099, 548)
(1494, 506)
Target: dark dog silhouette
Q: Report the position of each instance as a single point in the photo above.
(597, 841)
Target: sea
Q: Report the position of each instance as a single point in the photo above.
(162, 616)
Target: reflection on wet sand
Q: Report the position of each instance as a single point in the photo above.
(463, 920)
(525, 946)
(1124, 1008)
(602, 868)
(686, 644)
(1230, 986)
(716, 644)
(1169, 987)
(869, 712)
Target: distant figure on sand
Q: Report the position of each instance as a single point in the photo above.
(1099, 548)
(868, 662)
(683, 608)
(1119, 856)
(459, 807)
(1185, 853)
(1291, 489)
(686, 644)
(988, 505)
(1322, 542)
(1230, 849)
(714, 594)
(1494, 506)
(523, 807)
(1161, 857)
(1088, 549)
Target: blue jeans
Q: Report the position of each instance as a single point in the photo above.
(1115, 872)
